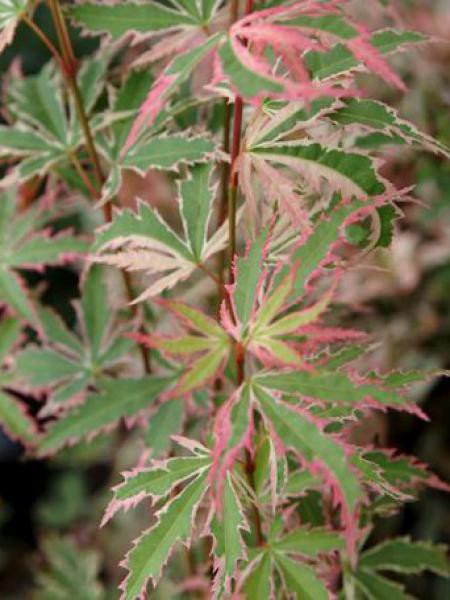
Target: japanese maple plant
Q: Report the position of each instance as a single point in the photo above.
(211, 335)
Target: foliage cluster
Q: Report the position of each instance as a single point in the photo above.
(210, 331)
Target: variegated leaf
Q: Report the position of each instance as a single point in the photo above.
(144, 241)
(116, 400)
(154, 482)
(67, 365)
(152, 550)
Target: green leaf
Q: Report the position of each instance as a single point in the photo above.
(248, 273)
(154, 482)
(259, 582)
(144, 241)
(300, 481)
(386, 215)
(146, 224)
(166, 421)
(151, 551)
(303, 436)
(300, 579)
(31, 103)
(315, 250)
(68, 363)
(10, 14)
(43, 366)
(376, 587)
(226, 528)
(117, 399)
(9, 334)
(336, 25)
(339, 59)
(196, 200)
(398, 470)
(70, 572)
(123, 18)
(15, 420)
(289, 118)
(47, 250)
(309, 541)
(168, 152)
(350, 173)
(377, 116)
(21, 142)
(249, 83)
(203, 369)
(404, 556)
(330, 387)
(91, 79)
(129, 98)
(12, 292)
(93, 302)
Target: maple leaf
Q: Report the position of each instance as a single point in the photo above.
(67, 365)
(26, 244)
(11, 12)
(144, 241)
(44, 133)
(14, 417)
(210, 341)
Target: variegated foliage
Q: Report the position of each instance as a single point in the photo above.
(249, 411)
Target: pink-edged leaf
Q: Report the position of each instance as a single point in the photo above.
(233, 428)
(153, 482)
(296, 430)
(176, 73)
(151, 551)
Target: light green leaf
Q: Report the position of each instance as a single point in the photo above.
(168, 152)
(196, 200)
(32, 103)
(15, 420)
(154, 482)
(347, 172)
(10, 14)
(259, 582)
(166, 421)
(12, 292)
(247, 277)
(339, 60)
(147, 223)
(249, 83)
(123, 18)
(300, 481)
(121, 398)
(330, 387)
(129, 98)
(47, 250)
(226, 529)
(377, 116)
(43, 366)
(70, 572)
(300, 579)
(9, 335)
(151, 551)
(375, 587)
(314, 251)
(309, 541)
(336, 25)
(94, 301)
(303, 436)
(405, 556)
(202, 370)
(21, 142)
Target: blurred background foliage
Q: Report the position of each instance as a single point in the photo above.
(50, 510)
